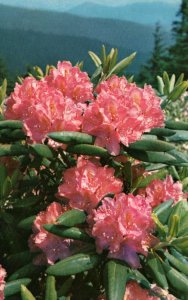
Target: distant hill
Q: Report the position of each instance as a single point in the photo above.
(144, 13)
(21, 48)
(41, 37)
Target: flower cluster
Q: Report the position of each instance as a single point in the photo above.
(2, 282)
(159, 191)
(71, 82)
(86, 184)
(122, 112)
(44, 108)
(52, 246)
(124, 226)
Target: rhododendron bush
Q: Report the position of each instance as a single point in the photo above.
(93, 188)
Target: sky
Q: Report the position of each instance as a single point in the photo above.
(67, 4)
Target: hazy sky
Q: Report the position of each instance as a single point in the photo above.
(71, 3)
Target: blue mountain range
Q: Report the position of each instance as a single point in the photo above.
(41, 35)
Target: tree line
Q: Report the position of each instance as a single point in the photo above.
(173, 59)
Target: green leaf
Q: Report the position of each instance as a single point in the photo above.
(163, 211)
(178, 91)
(72, 217)
(183, 226)
(176, 279)
(160, 85)
(166, 83)
(16, 134)
(135, 275)
(181, 244)
(182, 267)
(71, 137)
(173, 226)
(3, 90)
(96, 75)
(180, 157)
(5, 132)
(11, 124)
(113, 55)
(95, 58)
(74, 264)
(151, 145)
(103, 54)
(162, 229)
(72, 232)
(161, 132)
(42, 150)
(27, 223)
(106, 66)
(174, 173)
(179, 136)
(26, 294)
(178, 255)
(25, 271)
(180, 79)
(14, 287)
(153, 167)
(50, 293)
(180, 209)
(172, 82)
(88, 150)
(130, 79)
(12, 150)
(157, 271)
(123, 64)
(115, 279)
(152, 156)
(176, 125)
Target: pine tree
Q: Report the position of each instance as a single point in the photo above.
(155, 65)
(178, 53)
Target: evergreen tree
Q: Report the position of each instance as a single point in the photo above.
(178, 53)
(155, 65)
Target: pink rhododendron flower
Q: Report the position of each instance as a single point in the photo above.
(159, 191)
(122, 112)
(2, 282)
(87, 183)
(52, 246)
(42, 109)
(72, 82)
(123, 225)
(135, 292)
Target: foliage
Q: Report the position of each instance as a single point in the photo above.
(156, 64)
(177, 57)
